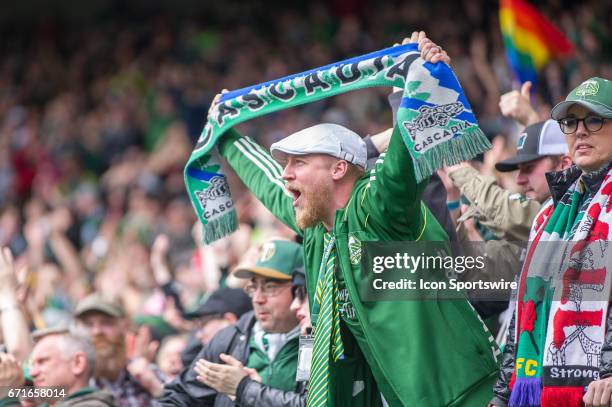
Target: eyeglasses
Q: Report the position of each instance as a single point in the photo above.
(570, 124)
(267, 289)
(299, 292)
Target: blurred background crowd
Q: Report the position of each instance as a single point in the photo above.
(101, 103)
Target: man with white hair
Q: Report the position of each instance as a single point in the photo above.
(66, 360)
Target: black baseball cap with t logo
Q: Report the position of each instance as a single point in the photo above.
(539, 140)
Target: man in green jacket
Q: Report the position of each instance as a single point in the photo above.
(263, 341)
(416, 353)
(412, 353)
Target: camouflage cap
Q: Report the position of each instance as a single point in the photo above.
(99, 303)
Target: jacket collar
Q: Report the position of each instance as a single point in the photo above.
(274, 342)
(246, 322)
(560, 181)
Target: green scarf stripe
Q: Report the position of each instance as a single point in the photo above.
(563, 219)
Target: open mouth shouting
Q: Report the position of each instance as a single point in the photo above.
(296, 194)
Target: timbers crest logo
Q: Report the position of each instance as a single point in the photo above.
(354, 250)
(432, 125)
(432, 116)
(587, 88)
(267, 251)
(215, 199)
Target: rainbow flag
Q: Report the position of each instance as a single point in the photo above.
(530, 39)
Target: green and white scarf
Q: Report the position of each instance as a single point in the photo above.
(435, 118)
(563, 298)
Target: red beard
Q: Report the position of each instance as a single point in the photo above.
(110, 357)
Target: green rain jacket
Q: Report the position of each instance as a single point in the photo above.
(420, 353)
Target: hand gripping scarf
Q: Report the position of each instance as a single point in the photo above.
(435, 120)
(563, 300)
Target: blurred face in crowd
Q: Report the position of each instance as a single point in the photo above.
(590, 150)
(51, 367)
(299, 306)
(107, 333)
(212, 325)
(309, 179)
(271, 301)
(169, 356)
(532, 179)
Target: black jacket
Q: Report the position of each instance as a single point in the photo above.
(501, 392)
(186, 390)
(253, 394)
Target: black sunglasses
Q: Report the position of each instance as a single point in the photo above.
(569, 125)
(299, 291)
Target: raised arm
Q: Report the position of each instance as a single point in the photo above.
(508, 215)
(12, 319)
(393, 192)
(260, 173)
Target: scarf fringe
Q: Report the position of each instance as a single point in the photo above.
(220, 227)
(451, 152)
(526, 392)
(562, 397)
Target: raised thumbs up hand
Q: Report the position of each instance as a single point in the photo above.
(525, 89)
(516, 105)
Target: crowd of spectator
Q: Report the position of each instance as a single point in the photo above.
(97, 122)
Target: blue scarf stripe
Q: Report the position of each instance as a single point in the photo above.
(447, 81)
(202, 175)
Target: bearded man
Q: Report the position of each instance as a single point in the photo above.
(429, 353)
(104, 321)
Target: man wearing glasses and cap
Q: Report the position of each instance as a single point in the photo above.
(263, 343)
(251, 392)
(559, 360)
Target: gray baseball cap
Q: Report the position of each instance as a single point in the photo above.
(536, 141)
(325, 138)
(96, 302)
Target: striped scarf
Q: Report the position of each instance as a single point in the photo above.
(435, 120)
(563, 298)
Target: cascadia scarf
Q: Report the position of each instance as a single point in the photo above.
(563, 299)
(435, 119)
